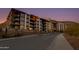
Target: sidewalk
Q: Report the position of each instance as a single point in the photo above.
(60, 43)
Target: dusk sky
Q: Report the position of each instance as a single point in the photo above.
(65, 14)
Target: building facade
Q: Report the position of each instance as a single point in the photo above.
(22, 21)
(31, 23)
(63, 25)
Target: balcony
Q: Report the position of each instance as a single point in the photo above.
(15, 16)
(16, 20)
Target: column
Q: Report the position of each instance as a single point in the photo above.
(39, 24)
(29, 22)
(25, 21)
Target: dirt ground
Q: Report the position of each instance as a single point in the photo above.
(73, 40)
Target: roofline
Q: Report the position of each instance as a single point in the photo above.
(18, 10)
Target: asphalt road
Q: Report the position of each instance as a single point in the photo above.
(31, 42)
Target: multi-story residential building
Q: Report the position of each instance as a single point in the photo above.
(34, 23)
(51, 25)
(43, 24)
(63, 25)
(54, 25)
(48, 26)
(24, 21)
(19, 20)
(38, 24)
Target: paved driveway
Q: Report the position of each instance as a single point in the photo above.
(35, 42)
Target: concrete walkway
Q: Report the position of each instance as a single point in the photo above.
(60, 43)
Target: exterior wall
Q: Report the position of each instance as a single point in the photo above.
(60, 27)
(34, 23)
(49, 26)
(38, 25)
(43, 25)
(18, 20)
(23, 21)
(27, 22)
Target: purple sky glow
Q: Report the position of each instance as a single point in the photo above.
(65, 14)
